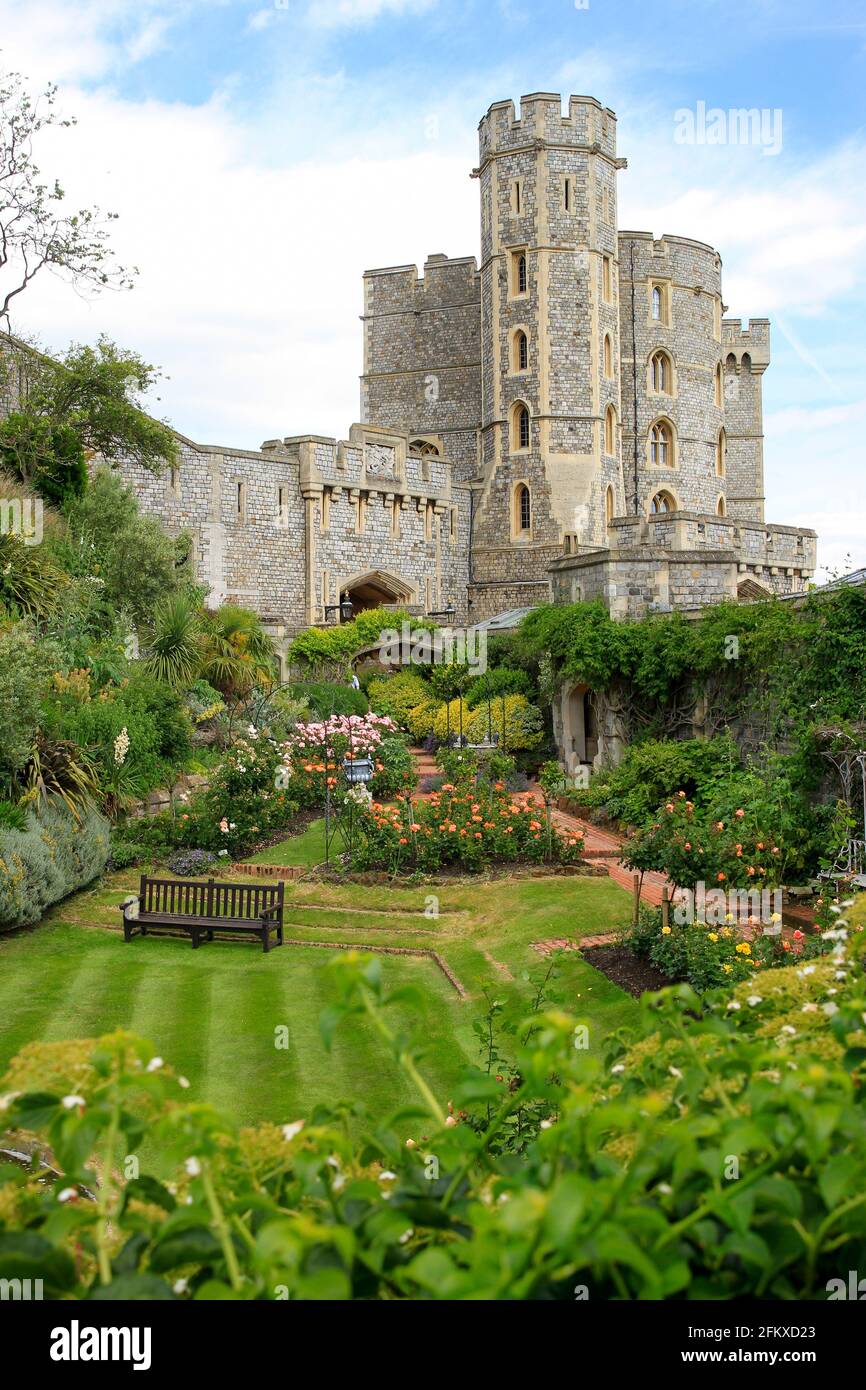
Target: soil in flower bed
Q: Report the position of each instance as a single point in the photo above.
(632, 973)
(458, 873)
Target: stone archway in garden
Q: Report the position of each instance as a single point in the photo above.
(375, 589)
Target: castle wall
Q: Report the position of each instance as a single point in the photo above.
(422, 355)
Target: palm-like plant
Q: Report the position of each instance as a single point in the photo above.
(58, 768)
(174, 653)
(28, 580)
(237, 653)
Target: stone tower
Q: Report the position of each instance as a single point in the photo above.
(550, 362)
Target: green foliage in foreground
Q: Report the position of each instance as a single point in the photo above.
(723, 1155)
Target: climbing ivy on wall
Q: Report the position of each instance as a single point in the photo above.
(785, 670)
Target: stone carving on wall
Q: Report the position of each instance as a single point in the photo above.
(380, 461)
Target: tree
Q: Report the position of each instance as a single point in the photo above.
(87, 403)
(37, 227)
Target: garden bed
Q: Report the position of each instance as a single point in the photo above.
(631, 972)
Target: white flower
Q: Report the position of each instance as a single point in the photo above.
(70, 1102)
(407, 1235)
(386, 1175)
(615, 1071)
(289, 1131)
(6, 1101)
(121, 746)
(792, 1032)
(546, 1124)
(67, 1194)
(154, 1064)
(809, 1009)
(182, 1082)
(665, 1188)
(221, 852)
(753, 1000)
(675, 1071)
(830, 1009)
(338, 1182)
(180, 1286)
(732, 1004)
(193, 1167)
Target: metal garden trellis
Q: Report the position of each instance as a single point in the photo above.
(850, 764)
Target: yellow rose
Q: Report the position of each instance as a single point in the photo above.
(714, 936)
(666, 931)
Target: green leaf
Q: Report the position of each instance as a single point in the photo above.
(197, 1245)
(841, 1178)
(132, 1287)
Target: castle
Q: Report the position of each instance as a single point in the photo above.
(573, 418)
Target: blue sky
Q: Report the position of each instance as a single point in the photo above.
(262, 155)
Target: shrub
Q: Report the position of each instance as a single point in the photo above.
(497, 681)
(398, 695)
(689, 846)
(55, 854)
(324, 698)
(651, 772)
(395, 770)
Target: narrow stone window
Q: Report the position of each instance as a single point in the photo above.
(520, 427)
(720, 507)
(520, 279)
(241, 499)
(718, 384)
(657, 303)
(361, 516)
(517, 196)
(452, 524)
(608, 356)
(566, 195)
(610, 430)
(523, 509)
(326, 509)
(721, 453)
(609, 505)
(521, 351)
(606, 285)
(282, 505)
(395, 518)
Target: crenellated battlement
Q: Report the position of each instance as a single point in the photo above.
(752, 342)
(588, 125)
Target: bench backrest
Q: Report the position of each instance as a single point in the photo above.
(196, 897)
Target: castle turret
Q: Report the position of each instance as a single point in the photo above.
(550, 391)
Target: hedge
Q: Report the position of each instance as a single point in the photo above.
(52, 857)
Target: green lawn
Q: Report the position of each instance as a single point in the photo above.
(213, 1012)
(305, 849)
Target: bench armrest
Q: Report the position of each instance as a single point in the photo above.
(271, 911)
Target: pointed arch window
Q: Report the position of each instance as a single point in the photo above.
(520, 427)
(521, 351)
(661, 445)
(522, 509)
(721, 453)
(657, 303)
(608, 356)
(610, 430)
(720, 507)
(520, 278)
(662, 502)
(718, 384)
(609, 504)
(661, 373)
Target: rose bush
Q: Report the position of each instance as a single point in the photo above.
(473, 826)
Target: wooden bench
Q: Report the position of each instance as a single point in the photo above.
(205, 907)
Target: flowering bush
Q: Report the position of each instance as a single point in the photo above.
(709, 954)
(314, 754)
(690, 846)
(472, 826)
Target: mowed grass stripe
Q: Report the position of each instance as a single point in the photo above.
(247, 1003)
